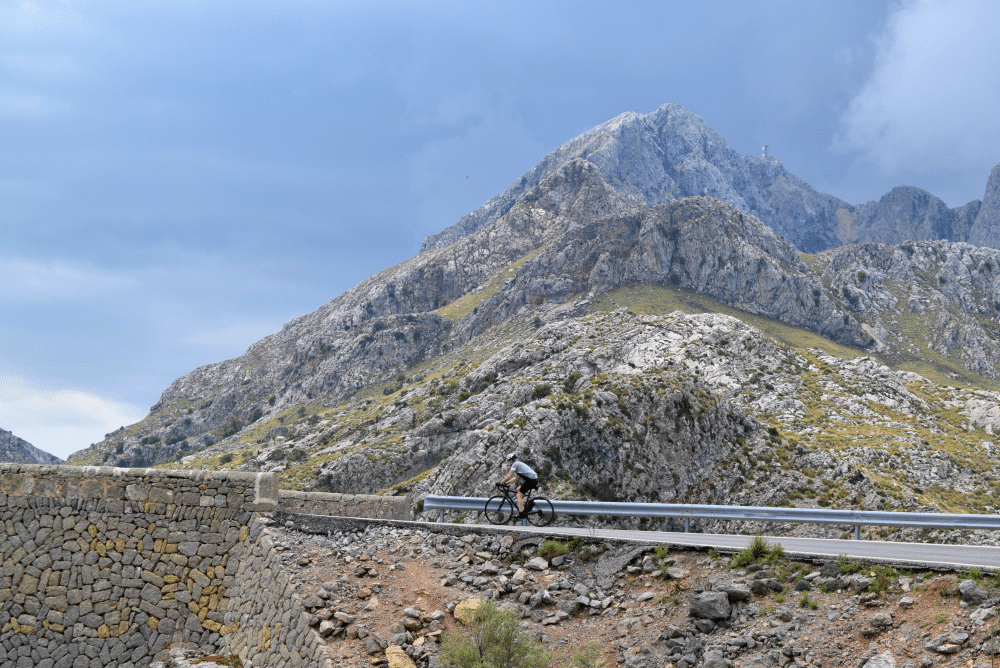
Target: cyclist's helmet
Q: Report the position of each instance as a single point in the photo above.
(511, 457)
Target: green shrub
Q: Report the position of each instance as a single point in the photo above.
(226, 458)
(541, 391)
(230, 427)
(759, 551)
(973, 574)
(885, 576)
(591, 553)
(588, 656)
(570, 381)
(806, 602)
(847, 565)
(493, 640)
(552, 548)
(661, 553)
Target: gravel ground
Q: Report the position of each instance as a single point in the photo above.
(374, 587)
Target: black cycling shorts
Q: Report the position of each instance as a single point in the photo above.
(528, 484)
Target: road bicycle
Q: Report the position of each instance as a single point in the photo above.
(502, 507)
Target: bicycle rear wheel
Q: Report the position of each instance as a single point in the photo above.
(542, 513)
(498, 510)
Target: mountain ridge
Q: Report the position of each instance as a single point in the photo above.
(16, 449)
(672, 153)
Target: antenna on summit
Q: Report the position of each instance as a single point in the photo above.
(765, 150)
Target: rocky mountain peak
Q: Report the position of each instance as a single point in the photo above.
(672, 153)
(986, 228)
(14, 449)
(907, 213)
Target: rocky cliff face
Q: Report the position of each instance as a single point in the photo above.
(571, 235)
(14, 449)
(671, 153)
(906, 213)
(985, 229)
(937, 296)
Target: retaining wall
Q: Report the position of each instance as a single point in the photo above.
(104, 567)
(345, 505)
(268, 612)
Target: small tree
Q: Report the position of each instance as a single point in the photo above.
(494, 640)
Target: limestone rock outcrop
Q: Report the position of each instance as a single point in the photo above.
(18, 450)
(986, 228)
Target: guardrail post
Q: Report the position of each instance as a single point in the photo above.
(441, 515)
(857, 532)
(687, 525)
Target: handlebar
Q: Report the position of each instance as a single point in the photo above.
(502, 486)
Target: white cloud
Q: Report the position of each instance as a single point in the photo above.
(931, 101)
(57, 421)
(26, 280)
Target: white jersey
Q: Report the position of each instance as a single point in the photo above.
(524, 471)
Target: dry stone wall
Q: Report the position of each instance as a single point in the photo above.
(273, 623)
(104, 567)
(345, 505)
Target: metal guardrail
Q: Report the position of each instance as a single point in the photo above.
(688, 512)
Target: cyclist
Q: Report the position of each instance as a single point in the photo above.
(529, 478)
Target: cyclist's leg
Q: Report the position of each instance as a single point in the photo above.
(525, 489)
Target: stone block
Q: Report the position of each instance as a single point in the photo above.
(971, 592)
(396, 657)
(465, 611)
(712, 605)
(188, 549)
(160, 495)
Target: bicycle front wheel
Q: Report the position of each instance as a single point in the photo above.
(542, 513)
(498, 510)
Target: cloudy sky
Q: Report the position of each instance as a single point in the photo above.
(177, 179)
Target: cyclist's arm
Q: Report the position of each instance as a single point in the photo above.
(509, 478)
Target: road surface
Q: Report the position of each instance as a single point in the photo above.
(910, 555)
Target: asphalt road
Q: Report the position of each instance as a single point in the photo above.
(909, 555)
